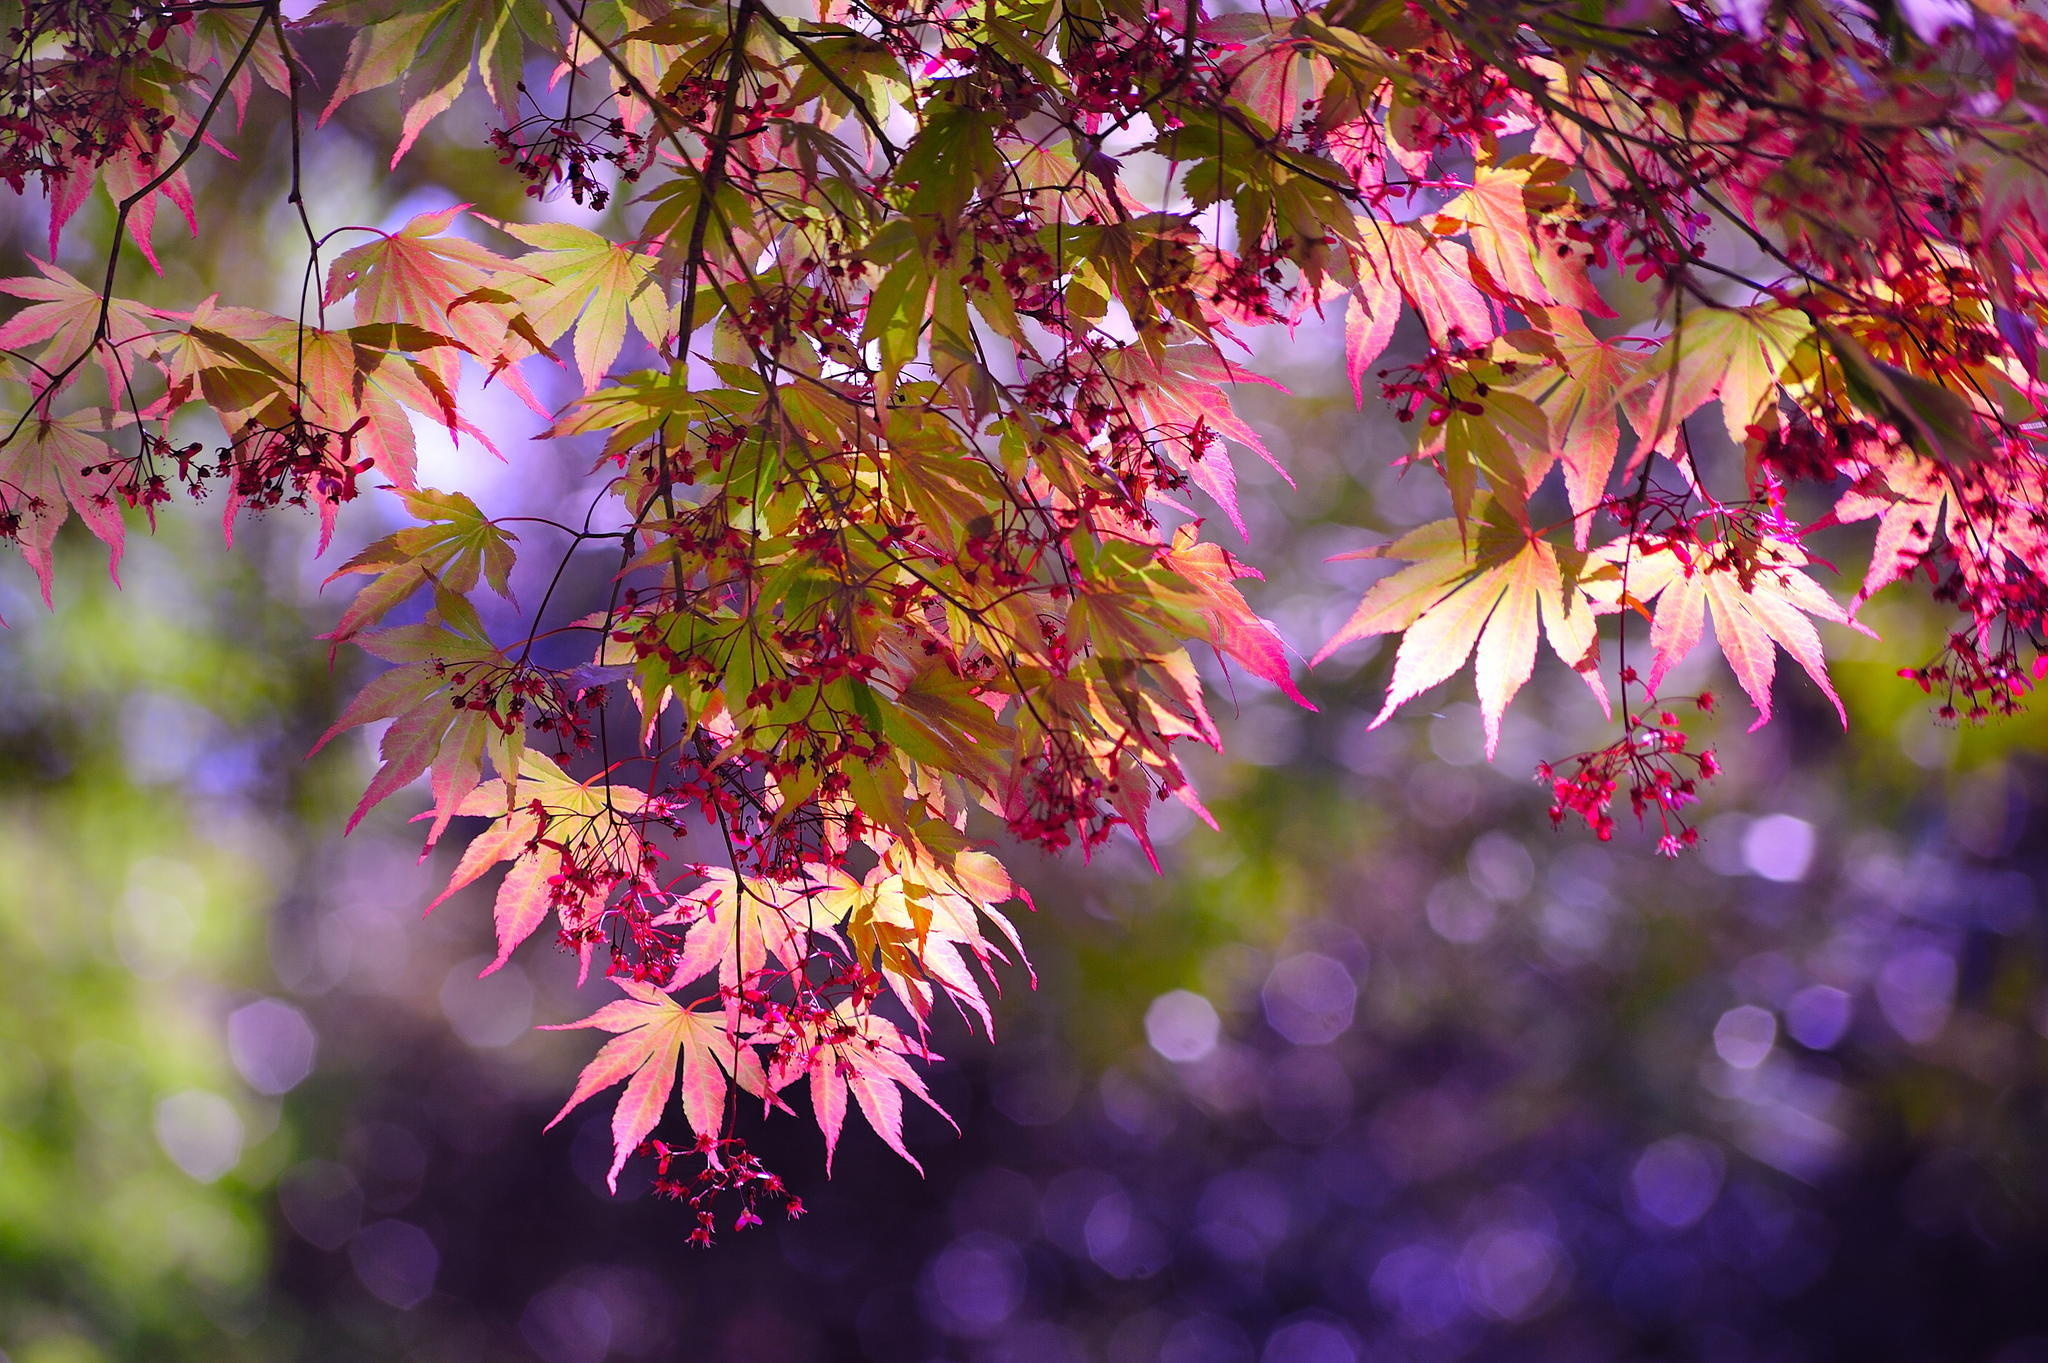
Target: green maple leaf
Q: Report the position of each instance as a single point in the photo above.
(431, 50)
(457, 546)
(577, 278)
(1735, 353)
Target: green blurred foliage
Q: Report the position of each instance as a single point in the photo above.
(149, 796)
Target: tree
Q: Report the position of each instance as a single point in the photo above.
(906, 360)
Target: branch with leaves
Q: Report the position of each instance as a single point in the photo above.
(906, 349)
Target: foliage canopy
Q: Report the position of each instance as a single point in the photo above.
(904, 365)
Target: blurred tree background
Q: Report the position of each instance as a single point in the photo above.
(1383, 1070)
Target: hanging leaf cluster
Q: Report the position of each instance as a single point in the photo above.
(903, 364)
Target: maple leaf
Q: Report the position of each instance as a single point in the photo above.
(1913, 502)
(1495, 214)
(918, 922)
(742, 922)
(899, 307)
(216, 37)
(1181, 392)
(431, 49)
(1371, 312)
(51, 467)
(442, 284)
(1938, 421)
(2013, 189)
(936, 717)
(914, 939)
(542, 820)
(867, 1056)
(262, 374)
(63, 314)
(1757, 594)
(1249, 638)
(222, 356)
(1432, 274)
(577, 278)
(1486, 591)
(653, 1033)
(129, 157)
(426, 733)
(365, 376)
(1580, 395)
(1735, 353)
(1494, 434)
(457, 545)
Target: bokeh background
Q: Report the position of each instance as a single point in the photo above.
(1385, 1071)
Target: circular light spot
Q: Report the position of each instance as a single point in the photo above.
(1310, 1340)
(396, 1261)
(1916, 990)
(272, 1045)
(567, 1324)
(1182, 1026)
(1507, 1272)
(975, 1284)
(1778, 847)
(1818, 1017)
(1676, 1180)
(487, 1012)
(201, 1132)
(1745, 1035)
(1310, 998)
